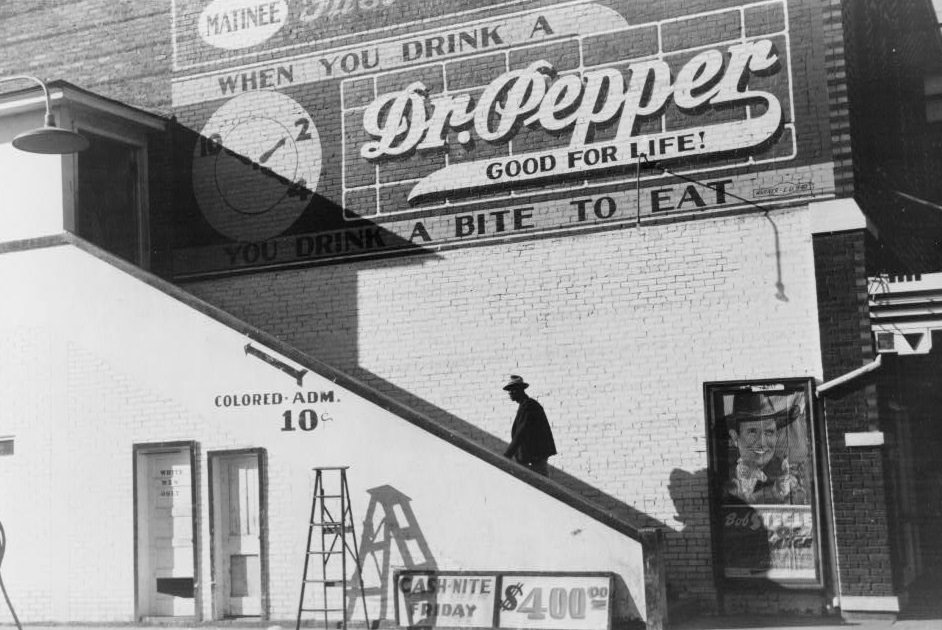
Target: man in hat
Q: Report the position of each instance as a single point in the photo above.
(531, 439)
(760, 475)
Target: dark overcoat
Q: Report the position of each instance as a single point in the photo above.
(531, 438)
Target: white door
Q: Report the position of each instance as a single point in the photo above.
(237, 537)
(166, 581)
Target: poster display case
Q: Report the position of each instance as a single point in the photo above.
(765, 486)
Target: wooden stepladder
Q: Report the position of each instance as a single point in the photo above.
(332, 520)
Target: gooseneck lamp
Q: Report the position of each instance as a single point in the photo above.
(49, 138)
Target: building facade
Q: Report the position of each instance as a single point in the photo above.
(657, 213)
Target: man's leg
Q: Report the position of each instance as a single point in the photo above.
(541, 466)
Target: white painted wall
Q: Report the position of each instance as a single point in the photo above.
(31, 185)
(93, 361)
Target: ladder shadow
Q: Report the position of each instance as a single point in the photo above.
(389, 525)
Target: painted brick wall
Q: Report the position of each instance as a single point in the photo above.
(28, 350)
(859, 499)
(127, 412)
(100, 395)
(616, 333)
(87, 377)
(377, 192)
(81, 495)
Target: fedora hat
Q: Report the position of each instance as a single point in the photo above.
(754, 406)
(516, 382)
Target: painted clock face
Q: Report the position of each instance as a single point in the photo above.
(256, 165)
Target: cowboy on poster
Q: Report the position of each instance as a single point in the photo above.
(763, 468)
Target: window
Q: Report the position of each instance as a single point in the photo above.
(109, 200)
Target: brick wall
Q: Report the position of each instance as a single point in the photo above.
(835, 62)
(889, 55)
(120, 49)
(214, 239)
(857, 477)
(909, 390)
(616, 332)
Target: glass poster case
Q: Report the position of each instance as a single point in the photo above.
(763, 464)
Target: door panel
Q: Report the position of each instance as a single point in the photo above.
(237, 539)
(166, 573)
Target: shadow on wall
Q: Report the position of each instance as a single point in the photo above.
(617, 508)
(688, 491)
(392, 537)
(389, 525)
(240, 212)
(242, 226)
(601, 500)
(240, 233)
(747, 541)
(744, 553)
(259, 198)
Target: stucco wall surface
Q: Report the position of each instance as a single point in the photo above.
(94, 361)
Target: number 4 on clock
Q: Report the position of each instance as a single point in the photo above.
(299, 189)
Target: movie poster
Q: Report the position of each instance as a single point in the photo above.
(763, 467)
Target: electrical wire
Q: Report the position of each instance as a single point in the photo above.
(919, 200)
(779, 285)
(3, 549)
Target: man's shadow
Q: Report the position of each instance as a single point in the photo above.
(688, 491)
(739, 537)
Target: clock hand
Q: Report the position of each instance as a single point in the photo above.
(267, 154)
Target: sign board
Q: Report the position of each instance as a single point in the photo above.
(554, 601)
(213, 32)
(304, 142)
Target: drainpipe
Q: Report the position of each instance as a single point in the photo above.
(845, 378)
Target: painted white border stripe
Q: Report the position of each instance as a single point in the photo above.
(869, 603)
(863, 438)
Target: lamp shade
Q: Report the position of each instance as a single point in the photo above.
(50, 140)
